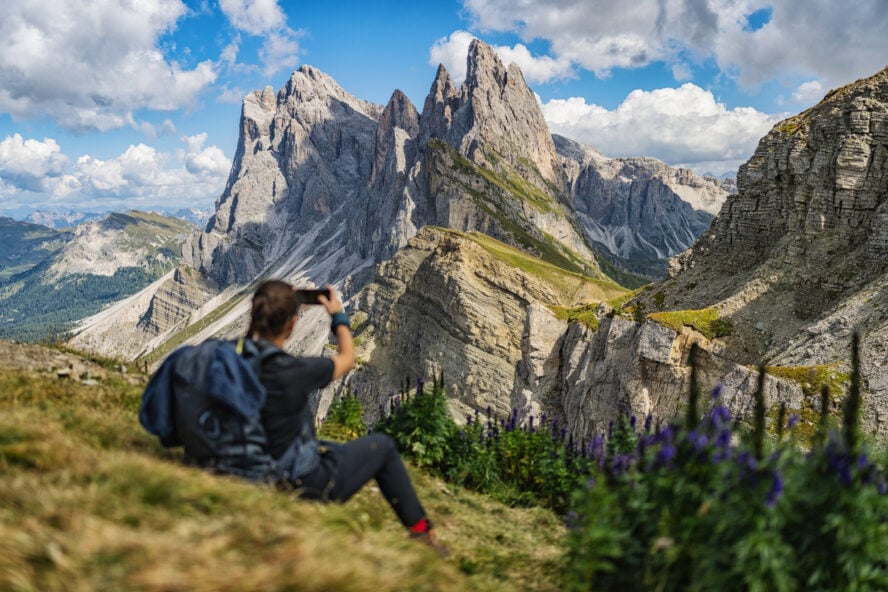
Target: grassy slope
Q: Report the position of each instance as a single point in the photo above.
(569, 284)
(89, 501)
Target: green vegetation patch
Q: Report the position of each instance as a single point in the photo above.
(580, 314)
(706, 320)
(812, 379)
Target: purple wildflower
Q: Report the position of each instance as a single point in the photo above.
(720, 416)
(666, 454)
(793, 421)
(775, 492)
(647, 423)
(621, 463)
(717, 392)
(698, 441)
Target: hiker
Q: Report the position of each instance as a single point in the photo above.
(322, 470)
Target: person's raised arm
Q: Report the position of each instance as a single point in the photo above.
(344, 358)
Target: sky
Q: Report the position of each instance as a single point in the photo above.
(135, 104)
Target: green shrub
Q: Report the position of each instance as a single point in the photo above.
(421, 426)
(345, 420)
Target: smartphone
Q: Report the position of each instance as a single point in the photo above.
(311, 296)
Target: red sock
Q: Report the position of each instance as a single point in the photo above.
(421, 526)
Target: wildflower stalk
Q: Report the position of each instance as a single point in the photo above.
(781, 420)
(694, 398)
(758, 428)
(852, 403)
(824, 414)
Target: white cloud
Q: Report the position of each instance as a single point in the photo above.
(232, 96)
(280, 51)
(256, 17)
(229, 53)
(835, 42)
(263, 18)
(89, 64)
(28, 163)
(808, 93)
(38, 173)
(210, 161)
(451, 51)
(683, 126)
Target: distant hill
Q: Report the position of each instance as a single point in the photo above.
(67, 276)
(24, 245)
(59, 220)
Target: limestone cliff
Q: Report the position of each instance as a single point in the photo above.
(798, 258)
(457, 302)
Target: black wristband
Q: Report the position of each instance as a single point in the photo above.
(338, 319)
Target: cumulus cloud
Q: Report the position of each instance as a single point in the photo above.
(266, 19)
(682, 126)
(808, 93)
(28, 164)
(89, 64)
(452, 50)
(209, 162)
(255, 17)
(38, 173)
(833, 42)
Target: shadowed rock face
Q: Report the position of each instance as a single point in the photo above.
(812, 203)
(638, 208)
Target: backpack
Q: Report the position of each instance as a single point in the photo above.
(207, 398)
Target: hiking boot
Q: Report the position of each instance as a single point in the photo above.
(428, 537)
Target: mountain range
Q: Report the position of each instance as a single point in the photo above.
(468, 238)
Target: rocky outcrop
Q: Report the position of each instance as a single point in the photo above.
(457, 302)
(638, 208)
(796, 259)
(810, 209)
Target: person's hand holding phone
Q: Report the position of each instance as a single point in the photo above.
(331, 303)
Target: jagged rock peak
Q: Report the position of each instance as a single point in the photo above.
(308, 83)
(400, 112)
(440, 103)
(398, 125)
(493, 115)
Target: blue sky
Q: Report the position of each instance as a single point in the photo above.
(118, 104)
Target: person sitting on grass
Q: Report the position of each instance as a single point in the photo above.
(323, 471)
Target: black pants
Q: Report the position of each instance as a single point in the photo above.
(345, 468)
